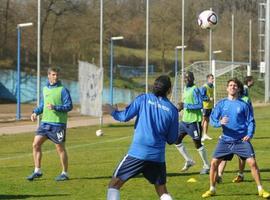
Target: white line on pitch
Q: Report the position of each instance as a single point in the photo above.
(70, 147)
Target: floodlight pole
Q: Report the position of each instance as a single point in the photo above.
(101, 58)
(111, 67)
(176, 72)
(213, 65)
(232, 73)
(210, 48)
(18, 84)
(146, 46)
(267, 52)
(183, 49)
(250, 43)
(38, 57)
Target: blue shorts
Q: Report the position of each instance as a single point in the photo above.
(129, 167)
(56, 134)
(207, 112)
(225, 150)
(194, 129)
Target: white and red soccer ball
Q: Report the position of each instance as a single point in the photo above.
(207, 19)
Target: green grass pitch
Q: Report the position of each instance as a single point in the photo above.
(92, 161)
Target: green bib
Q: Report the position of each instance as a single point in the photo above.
(245, 99)
(53, 96)
(190, 116)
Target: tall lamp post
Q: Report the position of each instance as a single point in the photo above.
(19, 26)
(176, 72)
(111, 66)
(213, 69)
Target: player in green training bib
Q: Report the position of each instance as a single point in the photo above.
(191, 123)
(54, 106)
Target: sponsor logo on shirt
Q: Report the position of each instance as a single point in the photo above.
(158, 105)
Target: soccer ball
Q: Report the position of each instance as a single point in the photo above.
(99, 132)
(207, 19)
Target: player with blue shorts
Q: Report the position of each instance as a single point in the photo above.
(156, 124)
(242, 162)
(54, 106)
(191, 123)
(235, 116)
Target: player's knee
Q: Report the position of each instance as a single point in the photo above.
(36, 146)
(214, 163)
(252, 162)
(166, 196)
(116, 183)
(179, 139)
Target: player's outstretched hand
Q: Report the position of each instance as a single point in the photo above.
(180, 106)
(108, 108)
(33, 117)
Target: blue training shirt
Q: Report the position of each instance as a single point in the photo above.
(156, 124)
(241, 121)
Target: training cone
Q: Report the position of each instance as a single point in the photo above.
(192, 180)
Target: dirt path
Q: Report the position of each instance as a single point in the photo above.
(9, 124)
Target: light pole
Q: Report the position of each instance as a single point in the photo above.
(111, 66)
(19, 26)
(146, 46)
(176, 72)
(213, 69)
(183, 42)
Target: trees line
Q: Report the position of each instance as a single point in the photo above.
(70, 30)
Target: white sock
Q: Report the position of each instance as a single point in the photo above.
(166, 196)
(65, 173)
(203, 154)
(212, 189)
(37, 170)
(259, 188)
(113, 194)
(240, 174)
(182, 149)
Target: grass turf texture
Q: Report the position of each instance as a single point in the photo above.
(92, 161)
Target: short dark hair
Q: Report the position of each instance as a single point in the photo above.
(162, 85)
(209, 75)
(53, 69)
(190, 75)
(247, 79)
(240, 88)
(235, 80)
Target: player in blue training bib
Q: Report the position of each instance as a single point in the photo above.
(156, 124)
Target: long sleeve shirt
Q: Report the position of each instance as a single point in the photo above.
(240, 116)
(156, 123)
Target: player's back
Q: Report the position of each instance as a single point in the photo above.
(156, 124)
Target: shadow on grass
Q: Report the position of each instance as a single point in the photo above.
(26, 196)
(242, 194)
(183, 174)
(91, 178)
(171, 175)
(120, 125)
(261, 138)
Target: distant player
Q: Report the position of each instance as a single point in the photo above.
(248, 83)
(207, 91)
(235, 116)
(55, 105)
(191, 123)
(156, 124)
